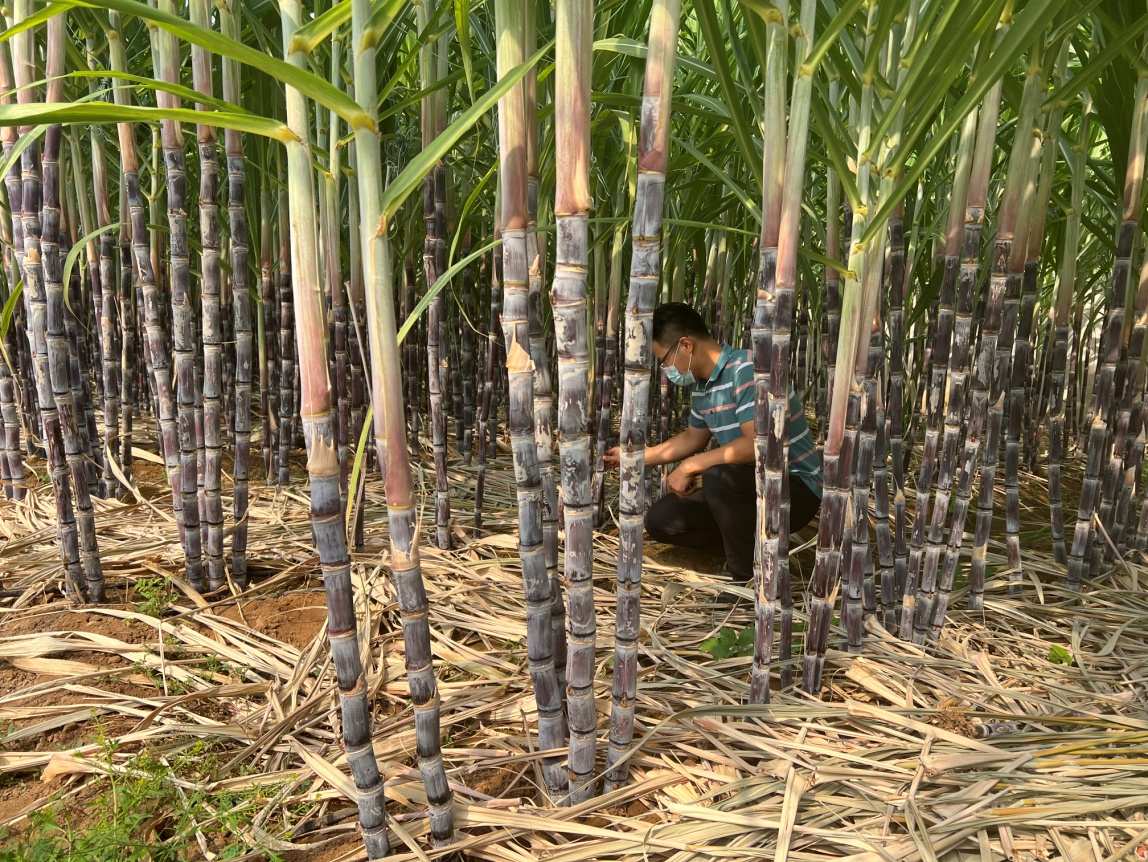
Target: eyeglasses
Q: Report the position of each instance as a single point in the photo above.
(666, 355)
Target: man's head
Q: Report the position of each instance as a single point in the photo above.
(678, 330)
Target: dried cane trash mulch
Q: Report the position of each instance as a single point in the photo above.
(1022, 734)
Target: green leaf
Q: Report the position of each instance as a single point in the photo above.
(47, 113)
(1059, 655)
(729, 643)
(417, 168)
(715, 41)
(310, 36)
(441, 282)
(462, 25)
(1024, 28)
(357, 466)
(312, 86)
(382, 19)
(10, 309)
(748, 202)
(632, 48)
(74, 252)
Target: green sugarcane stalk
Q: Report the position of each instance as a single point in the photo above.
(510, 25)
(238, 254)
(645, 275)
(433, 120)
(1062, 310)
(323, 459)
(391, 443)
(210, 309)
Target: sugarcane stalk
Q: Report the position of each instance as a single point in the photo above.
(837, 453)
(1104, 396)
(609, 362)
(13, 228)
(391, 440)
(572, 201)
(510, 26)
(323, 460)
(182, 312)
(286, 365)
(645, 272)
(238, 253)
(25, 207)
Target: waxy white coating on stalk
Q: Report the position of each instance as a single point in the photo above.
(645, 271)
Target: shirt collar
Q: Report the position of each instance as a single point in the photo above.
(723, 358)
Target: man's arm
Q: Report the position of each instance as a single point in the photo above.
(739, 451)
(680, 446)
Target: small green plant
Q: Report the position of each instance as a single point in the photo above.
(1059, 655)
(138, 815)
(729, 643)
(155, 595)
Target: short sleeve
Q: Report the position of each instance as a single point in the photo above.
(696, 420)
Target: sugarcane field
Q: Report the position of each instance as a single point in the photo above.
(573, 431)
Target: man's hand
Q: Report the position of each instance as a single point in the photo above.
(683, 481)
(611, 457)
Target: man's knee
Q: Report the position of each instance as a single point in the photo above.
(658, 518)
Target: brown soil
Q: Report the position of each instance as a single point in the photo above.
(130, 631)
(294, 618)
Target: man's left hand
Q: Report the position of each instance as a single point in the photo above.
(683, 481)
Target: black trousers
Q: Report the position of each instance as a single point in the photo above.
(721, 517)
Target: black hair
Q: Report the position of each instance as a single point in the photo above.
(672, 320)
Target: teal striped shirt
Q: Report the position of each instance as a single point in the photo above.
(726, 400)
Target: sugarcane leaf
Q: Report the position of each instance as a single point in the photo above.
(1025, 26)
(185, 93)
(715, 39)
(312, 34)
(382, 19)
(831, 33)
(733, 185)
(631, 48)
(462, 26)
(1099, 63)
(74, 252)
(417, 168)
(25, 141)
(312, 86)
(766, 11)
(10, 309)
(108, 112)
(357, 466)
(441, 282)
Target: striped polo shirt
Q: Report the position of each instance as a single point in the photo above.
(726, 400)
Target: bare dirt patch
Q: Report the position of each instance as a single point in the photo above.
(294, 618)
